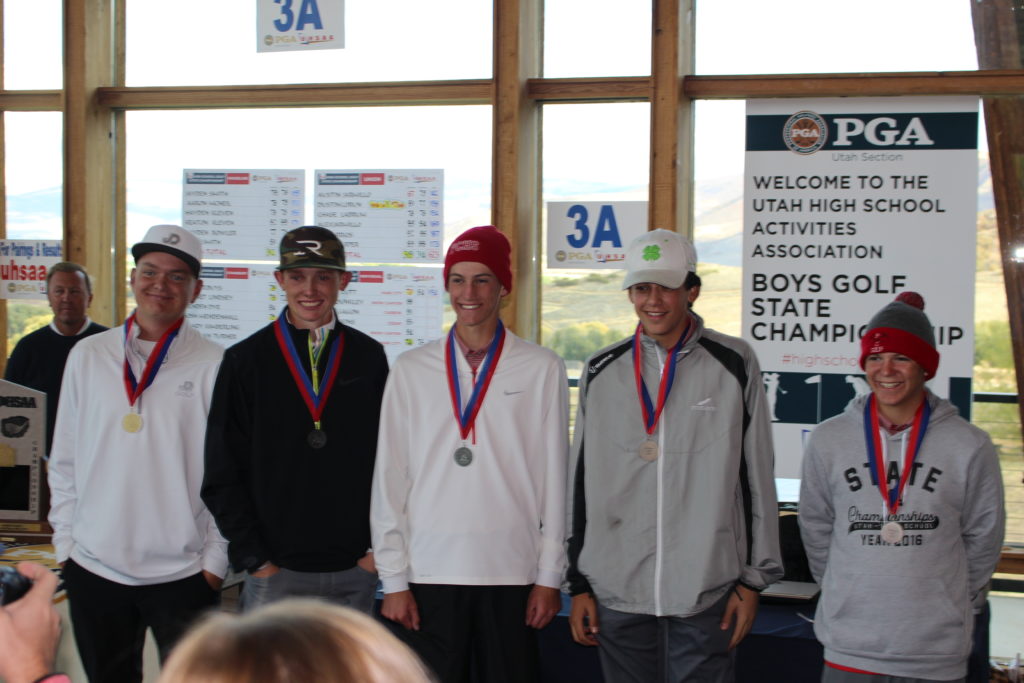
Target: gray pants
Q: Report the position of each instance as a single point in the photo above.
(830, 675)
(641, 648)
(353, 587)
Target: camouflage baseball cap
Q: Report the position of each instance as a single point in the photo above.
(311, 247)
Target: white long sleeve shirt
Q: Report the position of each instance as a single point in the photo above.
(126, 506)
(497, 521)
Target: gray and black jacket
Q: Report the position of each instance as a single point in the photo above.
(670, 537)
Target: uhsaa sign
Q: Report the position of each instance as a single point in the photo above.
(592, 234)
(289, 25)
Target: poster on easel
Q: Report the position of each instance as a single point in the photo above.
(847, 203)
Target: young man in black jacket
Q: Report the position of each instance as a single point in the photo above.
(292, 437)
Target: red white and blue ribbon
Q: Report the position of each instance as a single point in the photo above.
(651, 412)
(467, 416)
(315, 397)
(893, 496)
(132, 386)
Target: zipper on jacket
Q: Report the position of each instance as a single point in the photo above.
(658, 498)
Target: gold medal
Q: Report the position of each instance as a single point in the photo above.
(132, 422)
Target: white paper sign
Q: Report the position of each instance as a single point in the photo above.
(23, 267)
(383, 216)
(593, 234)
(290, 25)
(241, 215)
(399, 306)
(847, 203)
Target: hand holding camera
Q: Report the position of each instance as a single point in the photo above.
(29, 624)
(13, 584)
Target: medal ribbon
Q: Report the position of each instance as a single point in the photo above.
(315, 397)
(133, 387)
(466, 417)
(650, 412)
(876, 455)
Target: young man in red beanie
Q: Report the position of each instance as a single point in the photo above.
(901, 513)
(468, 498)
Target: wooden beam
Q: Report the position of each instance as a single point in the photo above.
(982, 83)
(670, 190)
(1011, 561)
(515, 161)
(585, 90)
(88, 160)
(999, 47)
(31, 100)
(473, 92)
(313, 95)
(119, 140)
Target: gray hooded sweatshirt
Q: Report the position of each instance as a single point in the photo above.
(903, 608)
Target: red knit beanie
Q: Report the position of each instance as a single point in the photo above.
(484, 244)
(902, 327)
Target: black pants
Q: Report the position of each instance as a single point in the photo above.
(109, 619)
(474, 633)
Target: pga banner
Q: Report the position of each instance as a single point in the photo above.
(296, 25)
(847, 203)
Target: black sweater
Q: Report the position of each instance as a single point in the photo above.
(274, 496)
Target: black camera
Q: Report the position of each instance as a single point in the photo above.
(13, 584)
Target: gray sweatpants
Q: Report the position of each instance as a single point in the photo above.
(642, 648)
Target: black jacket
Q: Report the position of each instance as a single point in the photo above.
(274, 496)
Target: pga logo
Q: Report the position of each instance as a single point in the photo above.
(883, 131)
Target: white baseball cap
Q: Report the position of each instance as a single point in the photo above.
(661, 257)
(174, 240)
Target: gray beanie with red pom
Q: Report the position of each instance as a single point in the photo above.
(902, 327)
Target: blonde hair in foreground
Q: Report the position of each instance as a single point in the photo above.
(293, 640)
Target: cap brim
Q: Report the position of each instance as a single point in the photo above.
(142, 248)
(324, 266)
(671, 279)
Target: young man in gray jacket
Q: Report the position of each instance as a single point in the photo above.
(673, 514)
(904, 558)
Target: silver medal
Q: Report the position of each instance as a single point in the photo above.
(463, 456)
(892, 532)
(649, 451)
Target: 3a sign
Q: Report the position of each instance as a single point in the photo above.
(592, 234)
(288, 25)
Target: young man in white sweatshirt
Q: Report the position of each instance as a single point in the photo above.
(139, 548)
(467, 511)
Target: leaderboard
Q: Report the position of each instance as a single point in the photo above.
(399, 306)
(390, 221)
(241, 215)
(383, 216)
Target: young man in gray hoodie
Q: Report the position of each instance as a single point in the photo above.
(903, 559)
